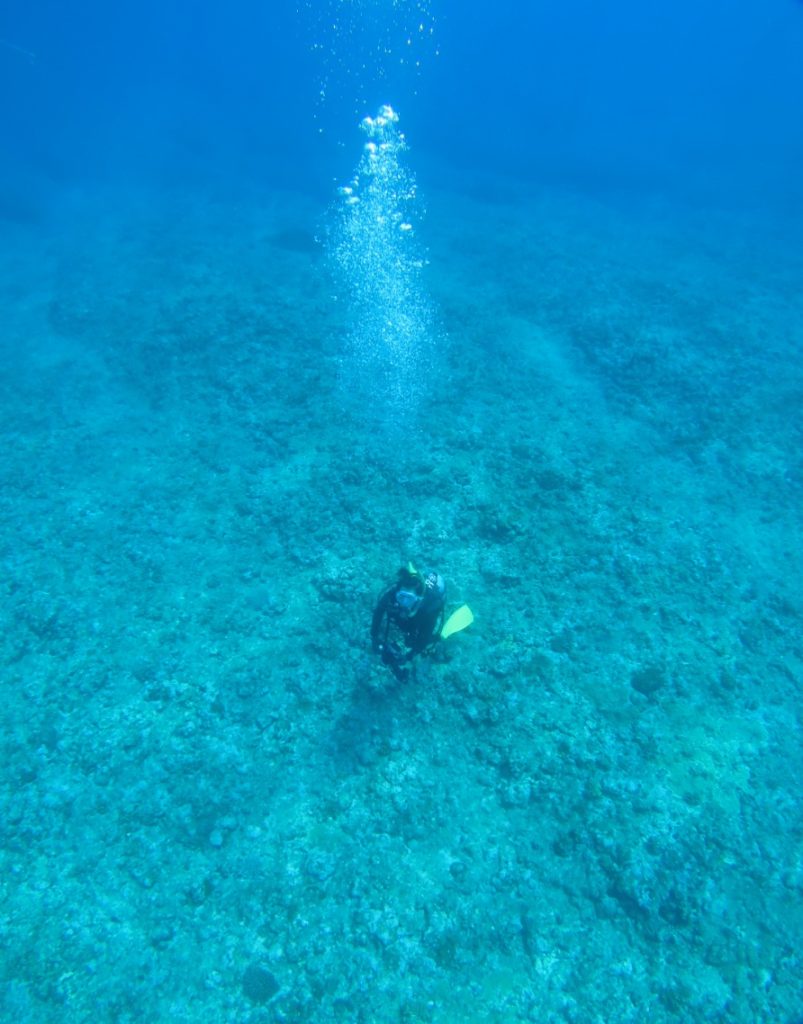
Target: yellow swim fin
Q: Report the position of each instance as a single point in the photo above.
(457, 620)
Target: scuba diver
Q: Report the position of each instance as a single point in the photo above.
(408, 618)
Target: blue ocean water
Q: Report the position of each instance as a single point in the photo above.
(536, 324)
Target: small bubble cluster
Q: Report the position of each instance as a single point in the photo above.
(362, 44)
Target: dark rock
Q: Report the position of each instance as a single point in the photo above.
(162, 934)
(674, 909)
(562, 642)
(259, 984)
(648, 680)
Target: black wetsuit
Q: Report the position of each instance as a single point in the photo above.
(392, 629)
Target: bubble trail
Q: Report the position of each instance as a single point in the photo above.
(379, 265)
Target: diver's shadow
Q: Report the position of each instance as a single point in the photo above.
(363, 733)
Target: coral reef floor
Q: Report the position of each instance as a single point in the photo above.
(216, 805)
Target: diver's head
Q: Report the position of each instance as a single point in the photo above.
(409, 576)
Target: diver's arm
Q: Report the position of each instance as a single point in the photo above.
(379, 614)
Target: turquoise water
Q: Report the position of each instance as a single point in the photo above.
(227, 422)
